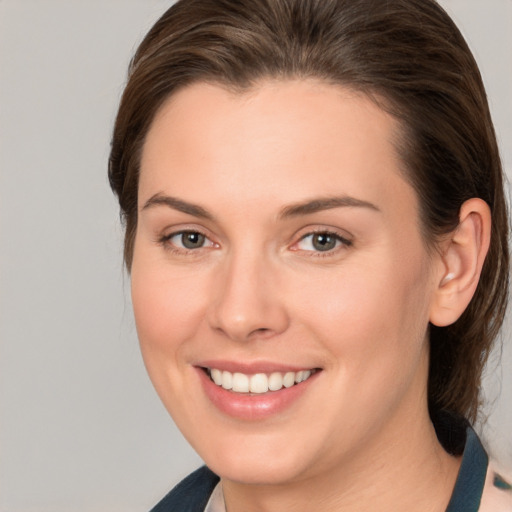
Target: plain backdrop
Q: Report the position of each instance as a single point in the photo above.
(81, 428)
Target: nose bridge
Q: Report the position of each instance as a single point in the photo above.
(247, 303)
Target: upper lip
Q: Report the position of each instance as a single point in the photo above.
(251, 368)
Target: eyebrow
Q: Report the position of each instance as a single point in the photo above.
(177, 204)
(294, 210)
(327, 203)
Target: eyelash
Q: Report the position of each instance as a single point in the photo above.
(165, 241)
(340, 243)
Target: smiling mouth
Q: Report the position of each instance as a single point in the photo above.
(258, 383)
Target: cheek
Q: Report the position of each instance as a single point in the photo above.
(168, 308)
(374, 311)
(168, 314)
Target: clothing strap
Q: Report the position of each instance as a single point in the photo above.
(190, 495)
(469, 486)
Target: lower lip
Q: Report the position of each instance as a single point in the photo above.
(253, 407)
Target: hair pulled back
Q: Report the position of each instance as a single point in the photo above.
(405, 54)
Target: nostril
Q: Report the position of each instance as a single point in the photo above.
(261, 332)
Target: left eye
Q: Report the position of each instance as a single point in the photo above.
(321, 242)
(189, 240)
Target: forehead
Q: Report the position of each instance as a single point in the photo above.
(287, 102)
(283, 140)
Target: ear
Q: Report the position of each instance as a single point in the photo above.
(462, 257)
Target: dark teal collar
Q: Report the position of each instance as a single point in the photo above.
(469, 486)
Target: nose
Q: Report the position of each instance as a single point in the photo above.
(248, 301)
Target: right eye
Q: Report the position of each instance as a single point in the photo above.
(187, 240)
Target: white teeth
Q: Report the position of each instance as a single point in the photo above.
(289, 379)
(227, 380)
(275, 381)
(259, 382)
(302, 376)
(216, 376)
(240, 383)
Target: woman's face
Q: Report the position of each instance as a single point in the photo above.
(277, 240)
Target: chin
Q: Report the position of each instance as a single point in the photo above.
(262, 463)
(247, 471)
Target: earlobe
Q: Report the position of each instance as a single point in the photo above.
(462, 258)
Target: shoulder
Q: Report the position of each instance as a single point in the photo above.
(191, 494)
(497, 493)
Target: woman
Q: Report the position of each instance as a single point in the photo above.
(316, 233)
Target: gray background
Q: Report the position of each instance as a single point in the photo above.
(81, 428)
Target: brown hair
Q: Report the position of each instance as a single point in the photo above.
(409, 54)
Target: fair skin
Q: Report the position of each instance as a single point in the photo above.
(277, 234)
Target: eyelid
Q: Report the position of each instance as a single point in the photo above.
(165, 239)
(343, 241)
(188, 232)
